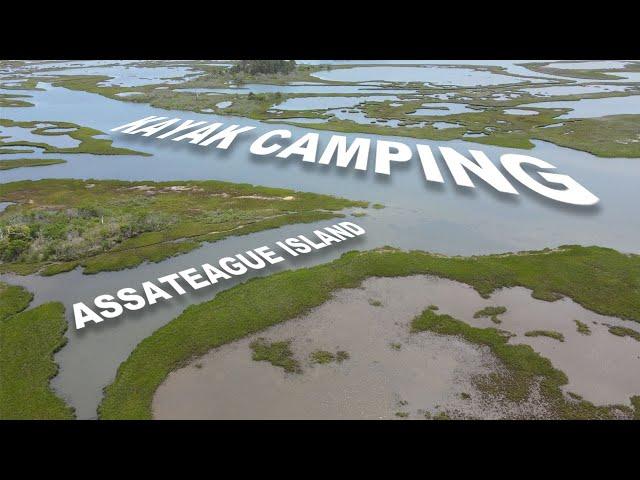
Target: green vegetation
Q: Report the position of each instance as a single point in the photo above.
(323, 356)
(13, 299)
(264, 67)
(607, 136)
(377, 206)
(28, 340)
(545, 333)
(525, 370)
(635, 401)
(433, 307)
(57, 225)
(375, 303)
(625, 332)
(610, 136)
(402, 414)
(395, 346)
(278, 354)
(490, 312)
(84, 135)
(341, 356)
(600, 279)
(359, 214)
(582, 328)
(28, 162)
(8, 100)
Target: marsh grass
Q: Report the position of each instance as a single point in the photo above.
(599, 279)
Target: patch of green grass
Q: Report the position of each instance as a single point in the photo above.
(402, 414)
(342, 355)
(625, 332)
(28, 162)
(375, 303)
(395, 346)
(278, 354)
(545, 333)
(491, 312)
(377, 206)
(13, 299)
(433, 307)
(28, 340)
(524, 366)
(358, 214)
(635, 401)
(609, 136)
(106, 225)
(599, 279)
(86, 137)
(322, 357)
(582, 328)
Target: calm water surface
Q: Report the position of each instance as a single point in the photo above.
(446, 219)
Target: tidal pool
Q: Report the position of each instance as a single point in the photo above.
(595, 107)
(19, 134)
(574, 89)
(324, 103)
(443, 109)
(444, 218)
(127, 76)
(519, 111)
(432, 75)
(391, 370)
(291, 88)
(597, 65)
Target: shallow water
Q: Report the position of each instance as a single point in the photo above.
(426, 371)
(443, 109)
(574, 90)
(323, 103)
(518, 111)
(126, 76)
(595, 107)
(291, 88)
(19, 134)
(432, 75)
(444, 219)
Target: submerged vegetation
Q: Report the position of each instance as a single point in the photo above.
(491, 312)
(625, 332)
(526, 371)
(582, 327)
(545, 333)
(278, 354)
(28, 340)
(323, 357)
(101, 225)
(600, 279)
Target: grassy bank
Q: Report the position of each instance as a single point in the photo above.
(524, 369)
(28, 162)
(600, 279)
(28, 340)
(58, 224)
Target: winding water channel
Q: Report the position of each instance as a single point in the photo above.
(446, 219)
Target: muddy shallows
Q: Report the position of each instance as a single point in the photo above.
(354, 357)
